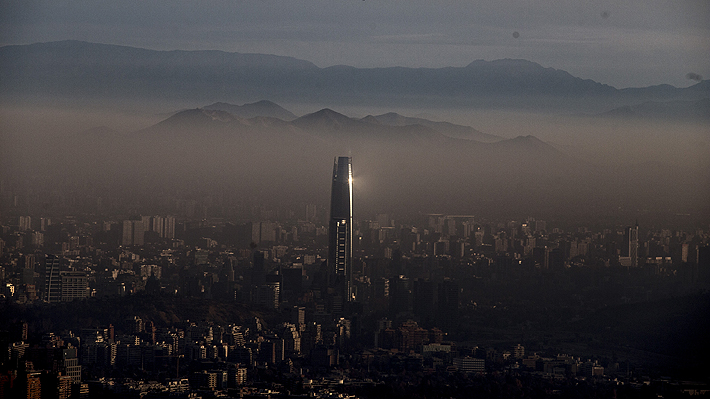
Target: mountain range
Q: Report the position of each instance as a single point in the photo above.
(259, 108)
(408, 164)
(268, 114)
(399, 163)
(90, 71)
(263, 152)
(324, 123)
(690, 110)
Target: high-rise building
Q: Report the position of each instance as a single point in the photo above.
(169, 223)
(310, 212)
(74, 285)
(24, 223)
(157, 225)
(133, 232)
(147, 223)
(267, 295)
(138, 232)
(340, 228)
(163, 225)
(629, 249)
(68, 363)
(400, 294)
(263, 232)
(52, 279)
(127, 233)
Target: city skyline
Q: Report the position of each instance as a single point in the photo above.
(526, 214)
(425, 286)
(200, 301)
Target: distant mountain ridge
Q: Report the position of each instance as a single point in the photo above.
(332, 132)
(90, 71)
(445, 128)
(325, 121)
(200, 151)
(259, 108)
(670, 110)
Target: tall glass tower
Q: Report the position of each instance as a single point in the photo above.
(52, 279)
(340, 228)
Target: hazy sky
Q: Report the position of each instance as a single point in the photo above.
(624, 43)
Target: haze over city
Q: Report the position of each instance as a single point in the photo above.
(354, 198)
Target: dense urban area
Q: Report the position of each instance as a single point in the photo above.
(212, 299)
(518, 204)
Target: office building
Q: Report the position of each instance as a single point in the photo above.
(24, 223)
(267, 295)
(629, 249)
(470, 365)
(68, 363)
(340, 228)
(133, 232)
(74, 285)
(52, 279)
(163, 225)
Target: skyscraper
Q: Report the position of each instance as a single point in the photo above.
(133, 232)
(629, 249)
(52, 279)
(340, 228)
